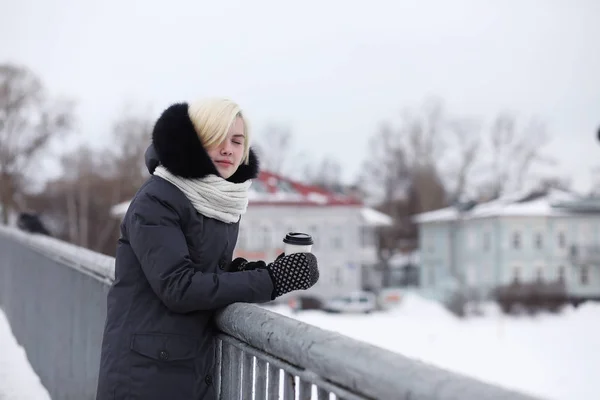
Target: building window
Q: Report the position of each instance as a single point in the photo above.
(486, 241)
(471, 276)
(561, 273)
(516, 274)
(339, 279)
(367, 236)
(516, 240)
(539, 241)
(430, 247)
(539, 274)
(336, 239)
(562, 241)
(585, 231)
(585, 277)
(472, 239)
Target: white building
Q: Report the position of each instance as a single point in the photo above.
(343, 230)
(551, 236)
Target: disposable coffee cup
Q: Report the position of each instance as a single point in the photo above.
(297, 242)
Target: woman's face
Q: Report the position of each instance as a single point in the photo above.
(227, 155)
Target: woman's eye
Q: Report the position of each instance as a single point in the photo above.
(237, 142)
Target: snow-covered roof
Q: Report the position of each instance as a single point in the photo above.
(373, 217)
(274, 189)
(119, 209)
(553, 202)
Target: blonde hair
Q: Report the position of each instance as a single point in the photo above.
(212, 119)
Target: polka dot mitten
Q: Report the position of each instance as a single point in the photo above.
(298, 271)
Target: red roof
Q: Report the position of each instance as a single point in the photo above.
(273, 189)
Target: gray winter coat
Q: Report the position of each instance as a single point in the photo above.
(159, 337)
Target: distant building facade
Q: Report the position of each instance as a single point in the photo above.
(551, 236)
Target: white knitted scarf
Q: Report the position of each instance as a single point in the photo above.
(212, 196)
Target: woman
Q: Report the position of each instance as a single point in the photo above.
(173, 264)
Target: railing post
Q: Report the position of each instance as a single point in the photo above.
(273, 383)
(260, 380)
(305, 390)
(247, 375)
(231, 374)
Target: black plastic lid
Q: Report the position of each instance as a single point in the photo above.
(298, 238)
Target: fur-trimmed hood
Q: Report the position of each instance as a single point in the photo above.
(177, 147)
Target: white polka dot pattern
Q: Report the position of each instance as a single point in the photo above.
(298, 271)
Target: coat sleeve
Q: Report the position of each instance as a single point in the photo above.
(158, 241)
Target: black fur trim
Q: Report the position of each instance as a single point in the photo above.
(179, 149)
(246, 171)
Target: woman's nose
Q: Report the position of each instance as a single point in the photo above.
(226, 149)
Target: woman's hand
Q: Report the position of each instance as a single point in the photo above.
(241, 264)
(298, 271)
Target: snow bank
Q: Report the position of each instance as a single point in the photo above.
(18, 381)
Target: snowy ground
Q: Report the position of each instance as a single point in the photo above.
(18, 381)
(552, 356)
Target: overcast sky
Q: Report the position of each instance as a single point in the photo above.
(332, 70)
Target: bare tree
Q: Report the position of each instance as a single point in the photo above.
(425, 132)
(401, 171)
(406, 159)
(467, 135)
(79, 202)
(428, 188)
(514, 150)
(421, 163)
(28, 122)
(94, 180)
(326, 174)
(76, 185)
(277, 152)
(275, 148)
(386, 171)
(131, 137)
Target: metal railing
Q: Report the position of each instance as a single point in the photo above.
(261, 354)
(282, 356)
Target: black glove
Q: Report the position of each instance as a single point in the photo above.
(298, 271)
(241, 264)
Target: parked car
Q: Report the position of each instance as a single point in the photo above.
(356, 302)
(305, 303)
(390, 298)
